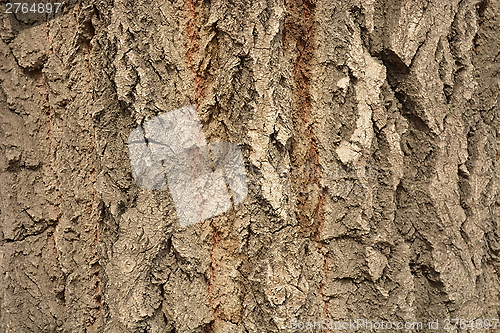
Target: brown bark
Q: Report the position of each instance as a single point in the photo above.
(369, 134)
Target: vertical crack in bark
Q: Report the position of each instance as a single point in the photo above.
(299, 30)
(193, 55)
(211, 280)
(193, 47)
(52, 151)
(84, 44)
(95, 202)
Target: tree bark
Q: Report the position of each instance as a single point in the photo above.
(369, 134)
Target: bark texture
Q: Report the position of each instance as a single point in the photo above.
(369, 133)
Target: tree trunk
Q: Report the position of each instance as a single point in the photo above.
(368, 130)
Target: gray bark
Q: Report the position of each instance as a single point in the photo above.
(369, 135)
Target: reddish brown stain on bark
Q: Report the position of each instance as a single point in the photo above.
(193, 48)
(299, 30)
(201, 83)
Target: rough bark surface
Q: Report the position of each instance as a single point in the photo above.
(369, 133)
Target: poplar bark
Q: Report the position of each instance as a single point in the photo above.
(369, 131)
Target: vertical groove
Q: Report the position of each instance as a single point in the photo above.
(193, 48)
(193, 57)
(299, 30)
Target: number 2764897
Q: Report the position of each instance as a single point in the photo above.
(35, 8)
